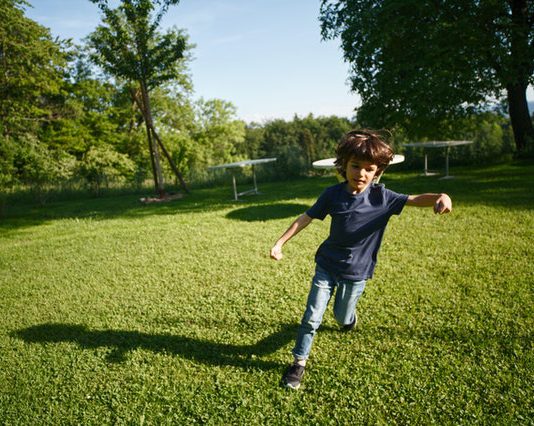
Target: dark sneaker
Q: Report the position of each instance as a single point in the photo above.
(293, 376)
(349, 327)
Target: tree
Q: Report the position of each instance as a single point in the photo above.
(129, 46)
(219, 134)
(41, 168)
(30, 71)
(101, 163)
(88, 110)
(31, 83)
(419, 62)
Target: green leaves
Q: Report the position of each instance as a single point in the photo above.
(130, 46)
(417, 63)
(102, 163)
(30, 70)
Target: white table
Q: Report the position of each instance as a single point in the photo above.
(329, 163)
(241, 164)
(438, 144)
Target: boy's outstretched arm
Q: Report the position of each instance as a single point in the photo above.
(298, 225)
(442, 203)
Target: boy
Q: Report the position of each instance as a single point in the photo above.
(360, 211)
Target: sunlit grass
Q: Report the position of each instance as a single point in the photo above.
(115, 312)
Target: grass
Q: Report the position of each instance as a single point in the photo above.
(119, 313)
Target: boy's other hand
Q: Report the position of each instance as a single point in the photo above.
(443, 204)
(276, 252)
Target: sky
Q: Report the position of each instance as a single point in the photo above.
(266, 57)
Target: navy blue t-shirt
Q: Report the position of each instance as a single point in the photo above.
(356, 230)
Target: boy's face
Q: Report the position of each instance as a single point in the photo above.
(360, 174)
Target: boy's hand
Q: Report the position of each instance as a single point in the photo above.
(443, 204)
(276, 252)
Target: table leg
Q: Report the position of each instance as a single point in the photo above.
(447, 165)
(427, 172)
(447, 162)
(235, 186)
(254, 179)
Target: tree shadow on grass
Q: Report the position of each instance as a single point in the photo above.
(265, 212)
(508, 186)
(122, 341)
(205, 200)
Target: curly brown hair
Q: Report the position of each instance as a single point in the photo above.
(367, 145)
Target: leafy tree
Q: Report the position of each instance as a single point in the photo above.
(488, 140)
(30, 70)
(420, 62)
(254, 134)
(320, 135)
(31, 84)
(102, 163)
(129, 46)
(219, 134)
(40, 168)
(7, 153)
(90, 113)
(281, 140)
(177, 118)
(296, 144)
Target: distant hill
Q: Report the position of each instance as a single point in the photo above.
(495, 108)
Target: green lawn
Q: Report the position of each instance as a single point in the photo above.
(117, 313)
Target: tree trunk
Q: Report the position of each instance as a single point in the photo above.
(152, 159)
(521, 71)
(152, 134)
(519, 115)
(173, 166)
(136, 101)
(156, 163)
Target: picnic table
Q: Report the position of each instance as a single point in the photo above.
(438, 144)
(242, 164)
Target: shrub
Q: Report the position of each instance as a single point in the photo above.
(101, 164)
(42, 168)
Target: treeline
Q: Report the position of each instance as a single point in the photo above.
(63, 122)
(66, 124)
(299, 142)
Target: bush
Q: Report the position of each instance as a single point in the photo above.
(102, 163)
(42, 168)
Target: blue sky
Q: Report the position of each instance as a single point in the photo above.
(264, 56)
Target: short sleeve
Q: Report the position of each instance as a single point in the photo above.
(395, 201)
(321, 207)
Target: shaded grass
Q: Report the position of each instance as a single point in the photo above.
(116, 312)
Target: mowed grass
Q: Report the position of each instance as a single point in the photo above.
(117, 313)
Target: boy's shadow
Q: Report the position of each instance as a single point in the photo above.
(122, 341)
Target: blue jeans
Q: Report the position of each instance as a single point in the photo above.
(322, 288)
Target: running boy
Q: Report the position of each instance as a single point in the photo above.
(360, 211)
